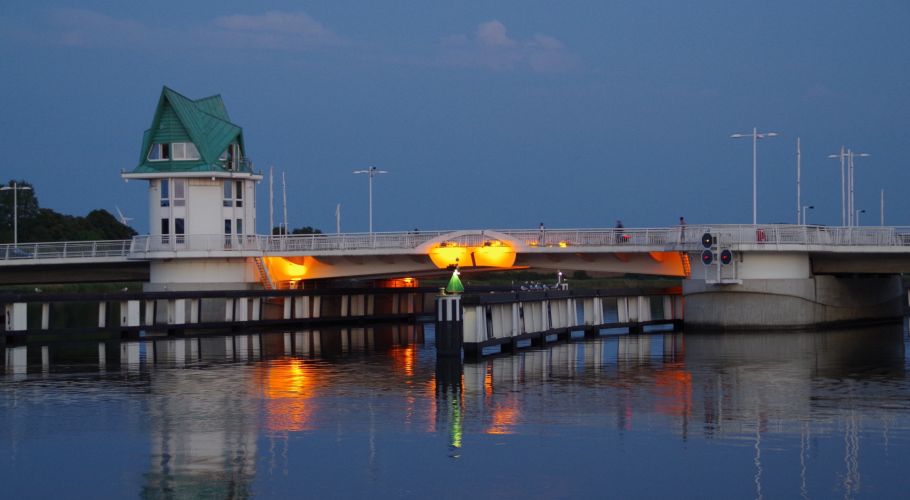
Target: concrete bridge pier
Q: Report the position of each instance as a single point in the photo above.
(781, 291)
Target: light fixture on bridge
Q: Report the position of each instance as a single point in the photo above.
(371, 172)
(856, 218)
(755, 135)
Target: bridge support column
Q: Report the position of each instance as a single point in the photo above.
(176, 311)
(243, 309)
(345, 305)
(195, 311)
(16, 317)
(229, 309)
(516, 319)
(257, 309)
(129, 313)
(149, 312)
(102, 314)
(644, 309)
(45, 316)
(317, 306)
(288, 303)
(302, 307)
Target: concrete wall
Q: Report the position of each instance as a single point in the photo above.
(792, 303)
(202, 274)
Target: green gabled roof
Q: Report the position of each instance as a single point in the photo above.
(203, 122)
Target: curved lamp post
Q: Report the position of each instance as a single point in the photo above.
(371, 172)
(755, 135)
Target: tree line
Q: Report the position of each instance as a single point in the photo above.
(38, 224)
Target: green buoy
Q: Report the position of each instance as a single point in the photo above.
(455, 285)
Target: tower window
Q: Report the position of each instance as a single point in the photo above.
(184, 151)
(179, 192)
(165, 193)
(228, 194)
(159, 152)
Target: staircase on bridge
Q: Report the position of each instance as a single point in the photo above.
(264, 278)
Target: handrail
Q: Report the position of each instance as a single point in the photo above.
(688, 238)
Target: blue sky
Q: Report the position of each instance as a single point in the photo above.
(487, 114)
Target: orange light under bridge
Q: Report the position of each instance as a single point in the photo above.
(492, 253)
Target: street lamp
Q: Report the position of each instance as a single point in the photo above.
(755, 135)
(851, 188)
(372, 171)
(15, 188)
(843, 203)
(860, 211)
(810, 207)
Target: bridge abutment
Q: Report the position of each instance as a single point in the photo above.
(780, 291)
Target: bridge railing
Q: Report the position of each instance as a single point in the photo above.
(686, 238)
(349, 241)
(65, 250)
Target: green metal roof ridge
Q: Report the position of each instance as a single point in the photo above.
(209, 133)
(205, 121)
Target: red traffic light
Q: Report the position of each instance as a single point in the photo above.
(726, 257)
(707, 257)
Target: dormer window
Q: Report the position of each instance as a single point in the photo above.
(173, 151)
(184, 151)
(160, 152)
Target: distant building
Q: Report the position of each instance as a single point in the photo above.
(202, 187)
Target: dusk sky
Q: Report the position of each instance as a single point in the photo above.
(486, 114)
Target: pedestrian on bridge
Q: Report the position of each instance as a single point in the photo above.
(682, 230)
(540, 235)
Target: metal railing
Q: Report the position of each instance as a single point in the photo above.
(686, 238)
(65, 250)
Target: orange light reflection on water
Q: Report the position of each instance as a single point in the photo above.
(505, 417)
(288, 387)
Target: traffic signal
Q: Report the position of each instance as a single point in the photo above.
(707, 257)
(726, 257)
(708, 240)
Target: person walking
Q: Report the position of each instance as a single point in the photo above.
(682, 230)
(540, 235)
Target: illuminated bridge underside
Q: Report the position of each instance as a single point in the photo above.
(478, 250)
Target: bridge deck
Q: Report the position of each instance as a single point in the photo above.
(770, 238)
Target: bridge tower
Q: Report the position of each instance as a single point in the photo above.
(201, 194)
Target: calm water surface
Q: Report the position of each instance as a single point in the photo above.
(371, 413)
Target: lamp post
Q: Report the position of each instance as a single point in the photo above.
(810, 207)
(859, 211)
(843, 203)
(852, 191)
(371, 172)
(882, 209)
(15, 188)
(755, 135)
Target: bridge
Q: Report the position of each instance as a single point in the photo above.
(655, 251)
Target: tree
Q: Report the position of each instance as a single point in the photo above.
(44, 224)
(279, 230)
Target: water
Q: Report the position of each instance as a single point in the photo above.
(371, 413)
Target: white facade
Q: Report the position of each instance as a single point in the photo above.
(182, 206)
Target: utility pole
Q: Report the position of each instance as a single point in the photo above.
(271, 199)
(284, 194)
(798, 158)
